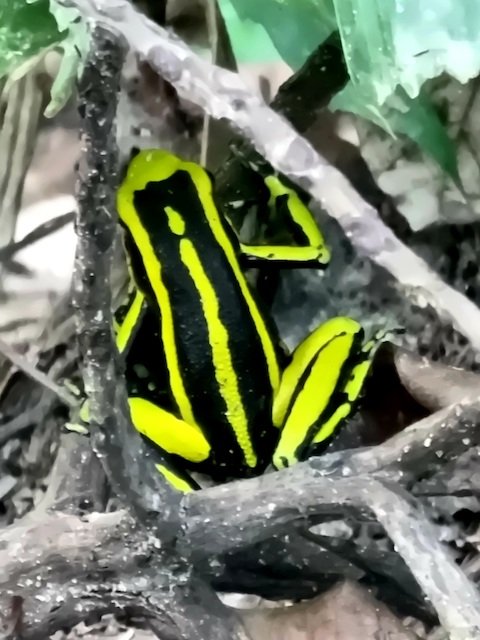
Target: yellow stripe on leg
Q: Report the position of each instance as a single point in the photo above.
(301, 215)
(303, 356)
(312, 399)
(328, 427)
(125, 329)
(173, 479)
(170, 433)
(282, 253)
(352, 389)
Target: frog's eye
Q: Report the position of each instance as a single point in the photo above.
(134, 152)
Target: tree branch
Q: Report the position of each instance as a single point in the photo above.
(234, 516)
(454, 597)
(127, 460)
(416, 452)
(42, 231)
(331, 485)
(67, 568)
(222, 94)
(35, 374)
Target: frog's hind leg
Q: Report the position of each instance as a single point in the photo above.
(173, 436)
(319, 387)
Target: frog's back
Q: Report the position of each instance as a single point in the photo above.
(221, 360)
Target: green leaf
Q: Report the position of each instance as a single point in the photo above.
(28, 28)
(392, 47)
(418, 119)
(365, 31)
(250, 42)
(396, 42)
(380, 44)
(293, 28)
(75, 46)
(388, 66)
(25, 30)
(356, 99)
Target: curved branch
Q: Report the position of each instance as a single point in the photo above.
(42, 231)
(109, 548)
(418, 451)
(332, 484)
(112, 435)
(67, 568)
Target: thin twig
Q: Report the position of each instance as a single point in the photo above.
(32, 372)
(17, 141)
(40, 232)
(223, 94)
(20, 423)
(77, 482)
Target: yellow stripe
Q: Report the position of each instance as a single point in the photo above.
(280, 252)
(167, 431)
(130, 217)
(354, 386)
(332, 423)
(204, 190)
(312, 400)
(352, 389)
(84, 413)
(177, 483)
(124, 331)
(175, 221)
(225, 372)
(303, 355)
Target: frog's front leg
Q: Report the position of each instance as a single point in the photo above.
(310, 248)
(172, 435)
(319, 387)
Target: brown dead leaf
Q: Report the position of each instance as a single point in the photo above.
(346, 612)
(433, 384)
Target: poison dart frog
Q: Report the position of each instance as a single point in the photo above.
(208, 382)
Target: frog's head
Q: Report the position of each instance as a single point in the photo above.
(156, 166)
